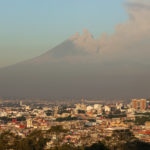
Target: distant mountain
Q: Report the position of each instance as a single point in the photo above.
(74, 69)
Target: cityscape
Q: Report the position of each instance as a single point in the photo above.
(78, 125)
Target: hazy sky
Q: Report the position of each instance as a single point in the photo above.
(31, 27)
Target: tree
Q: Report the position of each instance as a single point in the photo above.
(136, 145)
(57, 129)
(36, 140)
(119, 138)
(66, 147)
(8, 140)
(97, 146)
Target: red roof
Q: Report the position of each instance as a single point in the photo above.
(144, 132)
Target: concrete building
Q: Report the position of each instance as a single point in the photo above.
(139, 104)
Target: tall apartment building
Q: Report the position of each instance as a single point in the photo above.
(139, 104)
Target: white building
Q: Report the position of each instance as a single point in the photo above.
(107, 108)
(89, 108)
(29, 123)
(97, 106)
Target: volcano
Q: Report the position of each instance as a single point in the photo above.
(75, 69)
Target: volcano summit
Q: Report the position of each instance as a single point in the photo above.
(78, 68)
